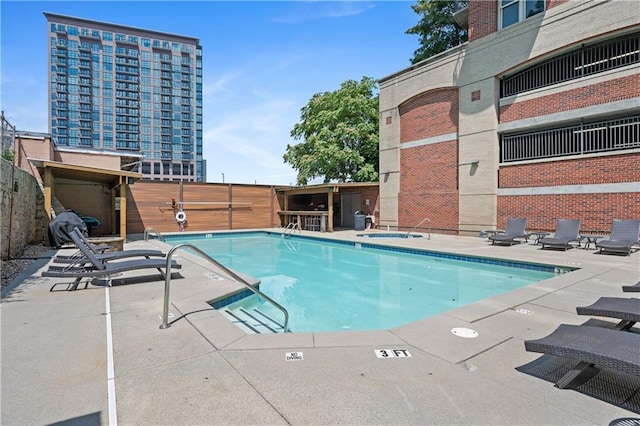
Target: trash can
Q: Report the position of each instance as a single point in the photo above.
(358, 221)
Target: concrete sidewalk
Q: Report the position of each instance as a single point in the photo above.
(97, 356)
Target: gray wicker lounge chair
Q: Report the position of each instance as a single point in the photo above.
(515, 229)
(79, 258)
(631, 288)
(627, 310)
(624, 235)
(594, 347)
(567, 232)
(96, 268)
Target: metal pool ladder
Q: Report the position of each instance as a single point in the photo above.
(291, 227)
(153, 231)
(421, 222)
(167, 284)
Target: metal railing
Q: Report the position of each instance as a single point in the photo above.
(238, 278)
(580, 62)
(153, 231)
(583, 138)
(291, 227)
(416, 227)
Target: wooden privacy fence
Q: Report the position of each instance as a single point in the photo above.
(204, 206)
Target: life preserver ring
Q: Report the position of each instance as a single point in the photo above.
(181, 217)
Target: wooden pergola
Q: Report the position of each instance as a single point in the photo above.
(117, 181)
(327, 188)
(298, 214)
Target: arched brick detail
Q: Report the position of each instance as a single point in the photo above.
(429, 172)
(429, 114)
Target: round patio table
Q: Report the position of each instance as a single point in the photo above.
(539, 235)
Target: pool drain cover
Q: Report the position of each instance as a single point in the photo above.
(467, 333)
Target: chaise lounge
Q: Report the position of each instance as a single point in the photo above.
(515, 229)
(79, 258)
(627, 310)
(634, 288)
(624, 235)
(96, 268)
(594, 347)
(567, 232)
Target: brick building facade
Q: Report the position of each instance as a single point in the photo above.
(537, 116)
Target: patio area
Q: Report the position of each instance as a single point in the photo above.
(97, 355)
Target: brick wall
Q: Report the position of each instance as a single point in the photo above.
(440, 207)
(553, 3)
(608, 91)
(582, 171)
(429, 114)
(483, 17)
(429, 173)
(429, 185)
(596, 211)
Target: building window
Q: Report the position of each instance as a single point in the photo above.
(514, 11)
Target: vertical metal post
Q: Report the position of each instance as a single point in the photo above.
(230, 206)
(581, 137)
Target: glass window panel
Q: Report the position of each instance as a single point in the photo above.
(533, 7)
(510, 15)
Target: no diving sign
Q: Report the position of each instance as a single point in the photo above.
(294, 356)
(392, 353)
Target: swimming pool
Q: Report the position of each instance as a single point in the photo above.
(329, 285)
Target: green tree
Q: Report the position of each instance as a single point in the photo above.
(340, 134)
(8, 154)
(437, 29)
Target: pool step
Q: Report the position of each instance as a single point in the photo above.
(253, 321)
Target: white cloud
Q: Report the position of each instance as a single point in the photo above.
(251, 139)
(308, 11)
(221, 83)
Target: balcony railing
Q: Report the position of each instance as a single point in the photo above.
(580, 139)
(580, 62)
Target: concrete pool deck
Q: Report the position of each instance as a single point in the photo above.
(98, 356)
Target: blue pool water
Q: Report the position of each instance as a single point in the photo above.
(328, 286)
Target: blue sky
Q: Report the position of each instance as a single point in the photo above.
(262, 62)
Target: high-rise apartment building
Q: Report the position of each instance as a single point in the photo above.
(130, 90)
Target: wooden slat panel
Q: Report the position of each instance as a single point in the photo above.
(253, 206)
(259, 215)
(146, 200)
(148, 197)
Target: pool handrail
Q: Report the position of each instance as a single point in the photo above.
(239, 279)
(421, 222)
(149, 231)
(291, 227)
